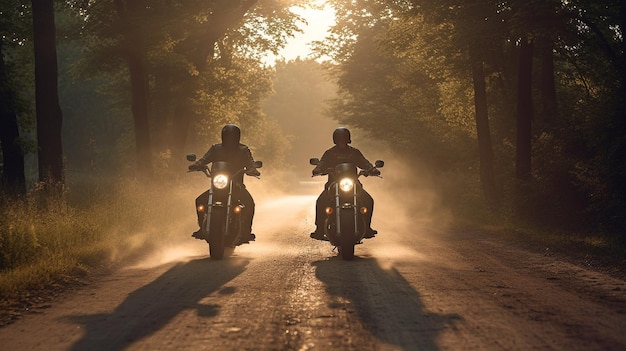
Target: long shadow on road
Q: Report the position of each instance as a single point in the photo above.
(149, 308)
(385, 303)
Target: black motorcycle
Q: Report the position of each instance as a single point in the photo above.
(221, 216)
(345, 223)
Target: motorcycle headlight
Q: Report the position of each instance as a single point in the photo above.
(346, 184)
(220, 181)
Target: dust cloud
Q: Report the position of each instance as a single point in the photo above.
(406, 206)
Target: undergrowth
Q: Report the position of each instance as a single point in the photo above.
(48, 240)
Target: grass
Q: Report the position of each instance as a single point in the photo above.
(601, 251)
(597, 251)
(50, 242)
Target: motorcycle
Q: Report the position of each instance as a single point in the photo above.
(221, 216)
(345, 223)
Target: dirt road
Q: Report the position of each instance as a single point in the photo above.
(407, 289)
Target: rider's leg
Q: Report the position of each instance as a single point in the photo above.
(249, 205)
(368, 201)
(202, 199)
(320, 204)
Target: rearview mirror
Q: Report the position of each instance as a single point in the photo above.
(191, 157)
(314, 161)
(379, 163)
(258, 164)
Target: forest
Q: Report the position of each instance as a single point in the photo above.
(515, 107)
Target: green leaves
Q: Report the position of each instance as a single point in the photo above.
(404, 76)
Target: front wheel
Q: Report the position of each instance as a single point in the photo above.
(347, 235)
(347, 249)
(216, 248)
(216, 237)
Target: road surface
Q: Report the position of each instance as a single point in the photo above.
(413, 287)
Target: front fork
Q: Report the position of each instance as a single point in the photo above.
(228, 207)
(338, 207)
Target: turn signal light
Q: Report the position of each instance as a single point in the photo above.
(237, 209)
(201, 208)
(363, 210)
(329, 210)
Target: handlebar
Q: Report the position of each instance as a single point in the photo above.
(207, 172)
(363, 172)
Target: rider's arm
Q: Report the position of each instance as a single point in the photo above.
(323, 164)
(208, 156)
(361, 161)
(250, 168)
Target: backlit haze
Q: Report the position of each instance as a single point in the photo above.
(316, 28)
(285, 200)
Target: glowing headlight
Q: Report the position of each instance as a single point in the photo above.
(346, 184)
(220, 181)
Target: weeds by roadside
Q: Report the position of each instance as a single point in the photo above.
(56, 243)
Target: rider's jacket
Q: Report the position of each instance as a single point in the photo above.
(239, 157)
(341, 154)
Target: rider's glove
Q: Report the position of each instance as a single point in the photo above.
(195, 167)
(253, 172)
(316, 172)
(375, 172)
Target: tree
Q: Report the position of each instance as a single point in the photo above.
(48, 109)
(426, 46)
(570, 159)
(182, 44)
(600, 57)
(13, 178)
(15, 32)
(134, 49)
(485, 151)
(524, 111)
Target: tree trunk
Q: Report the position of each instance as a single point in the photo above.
(524, 111)
(487, 176)
(139, 86)
(548, 87)
(13, 177)
(48, 109)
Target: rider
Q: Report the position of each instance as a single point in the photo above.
(239, 155)
(341, 153)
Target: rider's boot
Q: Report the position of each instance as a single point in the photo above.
(245, 239)
(318, 234)
(370, 233)
(198, 234)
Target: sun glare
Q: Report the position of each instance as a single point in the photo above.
(319, 17)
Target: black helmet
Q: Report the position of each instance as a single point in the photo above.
(231, 134)
(341, 135)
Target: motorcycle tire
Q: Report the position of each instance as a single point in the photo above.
(347, 236)
(216, 237)
(236, 231)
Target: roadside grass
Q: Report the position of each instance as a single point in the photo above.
(55, 244)
(597, 251)
(602, 251)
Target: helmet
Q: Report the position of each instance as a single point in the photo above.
(231, 135)
(341, 135)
